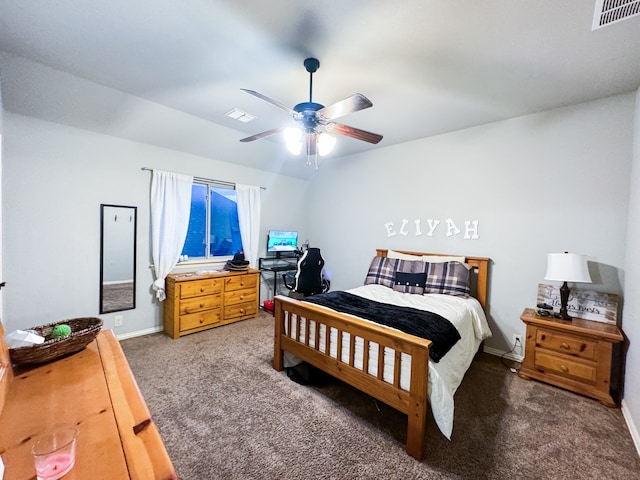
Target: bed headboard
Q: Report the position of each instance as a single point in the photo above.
(479, 264)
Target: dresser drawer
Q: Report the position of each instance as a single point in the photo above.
(240, 281)
(565, 367)
(238, 296)
(197, 304)
(241, 310)
(575, 346)
(200, 319)
(201, 287)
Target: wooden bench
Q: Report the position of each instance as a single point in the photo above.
(93, 390)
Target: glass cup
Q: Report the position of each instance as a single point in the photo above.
(54, 454)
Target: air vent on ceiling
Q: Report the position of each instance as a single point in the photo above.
(613, 11)
(239, 115)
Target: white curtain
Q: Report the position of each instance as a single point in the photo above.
(170, 210)
(248, 198)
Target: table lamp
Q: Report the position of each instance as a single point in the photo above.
(567, 267)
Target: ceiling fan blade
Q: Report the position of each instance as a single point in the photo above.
(290, 111)
(349, 105)
(258, 136)
(356, 133)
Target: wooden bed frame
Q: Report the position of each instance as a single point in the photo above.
(413, 402)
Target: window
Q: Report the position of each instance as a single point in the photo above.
(213, 223)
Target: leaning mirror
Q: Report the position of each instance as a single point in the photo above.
(117, 258)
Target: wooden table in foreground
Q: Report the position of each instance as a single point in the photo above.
(93, 390)
(575, 355)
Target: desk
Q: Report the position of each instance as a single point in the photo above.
(277, 266)
(95, 391)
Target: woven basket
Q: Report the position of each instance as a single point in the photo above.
(83, 331)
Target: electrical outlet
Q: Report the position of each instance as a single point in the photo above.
(117, 321)
(517, 344)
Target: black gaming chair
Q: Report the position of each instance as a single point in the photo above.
(308, 279)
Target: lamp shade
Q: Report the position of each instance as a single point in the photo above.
(567, 267)
(293, 139)
(325, 144)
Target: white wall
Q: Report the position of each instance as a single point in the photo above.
(631, 318)
(550, 182)
(55, 178)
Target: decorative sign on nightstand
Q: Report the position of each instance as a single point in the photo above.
(586, 304)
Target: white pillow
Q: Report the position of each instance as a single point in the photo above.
(442, 258)
(425, 258)
(402, 256)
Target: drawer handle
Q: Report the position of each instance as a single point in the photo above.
(201, 289)
(241, 297)
(201, 305)
(242, 311)
(202, 320)
(565, 346)
(564, 368)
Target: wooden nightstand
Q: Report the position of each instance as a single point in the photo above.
(573, 354)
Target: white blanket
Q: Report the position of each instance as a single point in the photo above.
(466, 314)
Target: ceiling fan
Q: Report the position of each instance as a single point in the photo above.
(315, 121)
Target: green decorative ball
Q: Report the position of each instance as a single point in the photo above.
(61, 331)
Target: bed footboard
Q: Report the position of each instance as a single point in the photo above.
(306, 331)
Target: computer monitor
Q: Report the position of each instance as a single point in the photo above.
(279, 241)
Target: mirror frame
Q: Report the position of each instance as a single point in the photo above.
(127, 210)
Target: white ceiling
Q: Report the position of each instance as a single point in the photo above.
(428, 66)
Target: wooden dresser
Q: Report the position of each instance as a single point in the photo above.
(198, 302)
(574, 354)
(93, 390)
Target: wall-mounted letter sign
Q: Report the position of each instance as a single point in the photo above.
(451, 228)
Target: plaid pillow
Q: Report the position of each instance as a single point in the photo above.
(410, 276)
(381, 271)
(450, 278)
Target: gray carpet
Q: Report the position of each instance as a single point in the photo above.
(224, 413)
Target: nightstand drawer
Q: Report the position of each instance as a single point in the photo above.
(575, 346)
(202, 319)
(198, 304)
(199, 288)
(564, 367)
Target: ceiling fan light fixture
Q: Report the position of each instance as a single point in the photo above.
(326, 143)
(293, 139)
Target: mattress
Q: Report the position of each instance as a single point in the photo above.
(466, 314)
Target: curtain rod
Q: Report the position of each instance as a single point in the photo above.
(206, 180)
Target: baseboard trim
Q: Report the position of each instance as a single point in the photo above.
(502, 353)
(139, 333)
(630, 425)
